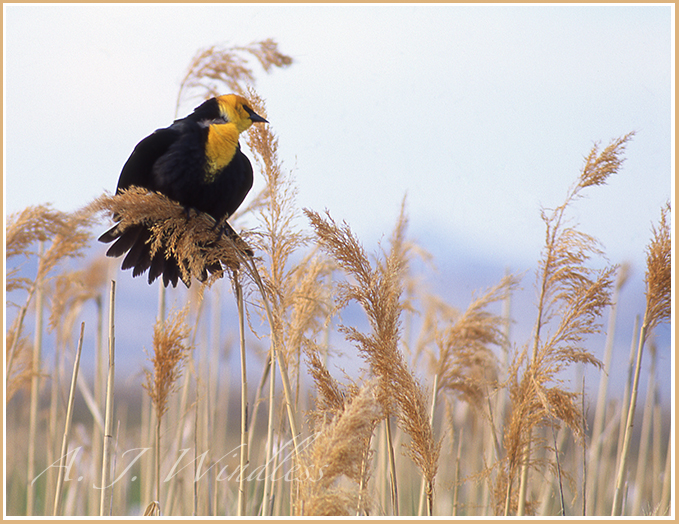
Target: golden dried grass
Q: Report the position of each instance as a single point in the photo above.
(60, 237)
(170, 350)
(200, 246)
(378, 291)
(571, 297)
(340, 449)
(658, 276)
(215, 67)
(466, 364)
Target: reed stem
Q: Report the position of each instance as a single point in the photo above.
(106, 489)
(392, 468)
(624, 454)
(35, 389)
(244, 455)
(67, 425)
(287, 390)
(267, 497)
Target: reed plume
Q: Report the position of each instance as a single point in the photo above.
(466, 365)
(66, 236)
(201, 246)
(277, 240)
(339, 449)
(170, 350)
(331, 396)
(293, 293)
(378, 292)
(22, 364)
(572, 298)
(62, 236)
(658, 276)
(214, 68)
(72, 290)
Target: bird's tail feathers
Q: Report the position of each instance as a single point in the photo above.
(137, 241)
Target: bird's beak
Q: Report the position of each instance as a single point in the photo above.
(256, 118)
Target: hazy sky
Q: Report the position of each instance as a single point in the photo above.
(481, 114)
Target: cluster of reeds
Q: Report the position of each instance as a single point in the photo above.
(58, 237)
(378, 291)
(469, 422)
(571, 300)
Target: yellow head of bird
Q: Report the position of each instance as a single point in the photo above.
(236, 109)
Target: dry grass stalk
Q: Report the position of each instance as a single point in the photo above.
(244, 448)
(643, 468)
(36, 360)
(277, 242)
(170, 350)
(276, 342)
(68, 294)
(658, 310)
(572, 297)
(339, 449)
(198, 243)
(466, 364)
(378, 291)
(216, 67)
(295, 292)
(600, 412)
(105, 505)
(664, 507)
(67, 424)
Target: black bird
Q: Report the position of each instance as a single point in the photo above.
(197, 162)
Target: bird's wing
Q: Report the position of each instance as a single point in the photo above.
(137, 171)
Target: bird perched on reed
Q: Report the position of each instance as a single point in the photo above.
(197, 162)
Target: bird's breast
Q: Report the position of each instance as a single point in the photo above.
(220, 148)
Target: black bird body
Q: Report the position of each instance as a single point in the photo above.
(197, 162)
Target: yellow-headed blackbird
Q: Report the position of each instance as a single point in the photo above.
(197, 162)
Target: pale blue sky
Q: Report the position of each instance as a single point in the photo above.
(481, 114)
